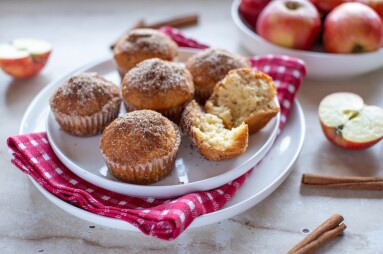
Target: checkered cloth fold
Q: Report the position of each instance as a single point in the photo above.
(162, 218)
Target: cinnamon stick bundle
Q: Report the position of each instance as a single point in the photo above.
(320, 236)
(178, 22)
(343, 182)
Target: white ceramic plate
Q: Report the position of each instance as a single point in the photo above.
(320, 65)
(266, 177)
(191, 172)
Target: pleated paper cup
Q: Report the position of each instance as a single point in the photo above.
(173, 114)
(148, 173)
(92, 125)
(202, 95)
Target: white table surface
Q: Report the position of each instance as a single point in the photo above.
(82, 31)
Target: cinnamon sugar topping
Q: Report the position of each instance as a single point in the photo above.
(85, 86)
(155, 75)
(139, 136)
(146, 41)
(146, 124)
(84, 94)
(217, 62)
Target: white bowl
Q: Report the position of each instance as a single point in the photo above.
(320, 65)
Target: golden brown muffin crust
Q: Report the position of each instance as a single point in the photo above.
(140, 44)
(84, 94)
(139, 137)
(158, 85)
(211, 65)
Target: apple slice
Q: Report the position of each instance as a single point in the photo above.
(24, 58)
(348, 123)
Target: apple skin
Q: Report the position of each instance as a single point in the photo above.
(376, 5)
(250, 10)
(352, 28)
(290, 23)
(25, 67)
(325, 6)
(336, 138)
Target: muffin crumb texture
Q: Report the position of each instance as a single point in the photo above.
(209, 135)
(244, 95)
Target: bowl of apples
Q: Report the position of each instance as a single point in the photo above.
(337, 39)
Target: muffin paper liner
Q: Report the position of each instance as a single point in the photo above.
(88, 125)
(144, 173)
(173, 114)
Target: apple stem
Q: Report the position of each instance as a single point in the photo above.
(292, 5)
(357, 48)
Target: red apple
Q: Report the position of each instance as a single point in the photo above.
(348, 123)
(290, 23)
(24, 58)
(352, 28)
(325, 6)
(377, 5)
(250, 10)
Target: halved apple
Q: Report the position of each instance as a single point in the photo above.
(24, 58)
(347, 122)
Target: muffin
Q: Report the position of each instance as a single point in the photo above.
(141, 44)
(210, 137)
(244, 95)
(140, 147)
(210, 66)
(85, 104)
(159, 85)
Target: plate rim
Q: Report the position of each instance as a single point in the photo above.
(206, 219)
(267, 190)
(158, 191)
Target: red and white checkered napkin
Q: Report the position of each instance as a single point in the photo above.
(162, 218)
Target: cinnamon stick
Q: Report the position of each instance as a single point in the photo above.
(322, 240)
(320, 236)
(178, 22)
(139, 24)
(343, 182)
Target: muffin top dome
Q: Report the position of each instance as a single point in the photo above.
(158, 85)
(85, 94)
(211, 65)
(141, 44)
(139, 137)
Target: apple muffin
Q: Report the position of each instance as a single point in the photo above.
(159, 85)
(210, 66)
(209, 135)
(140, 147)
(141, 44)
(85, 104)
(244, 95)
